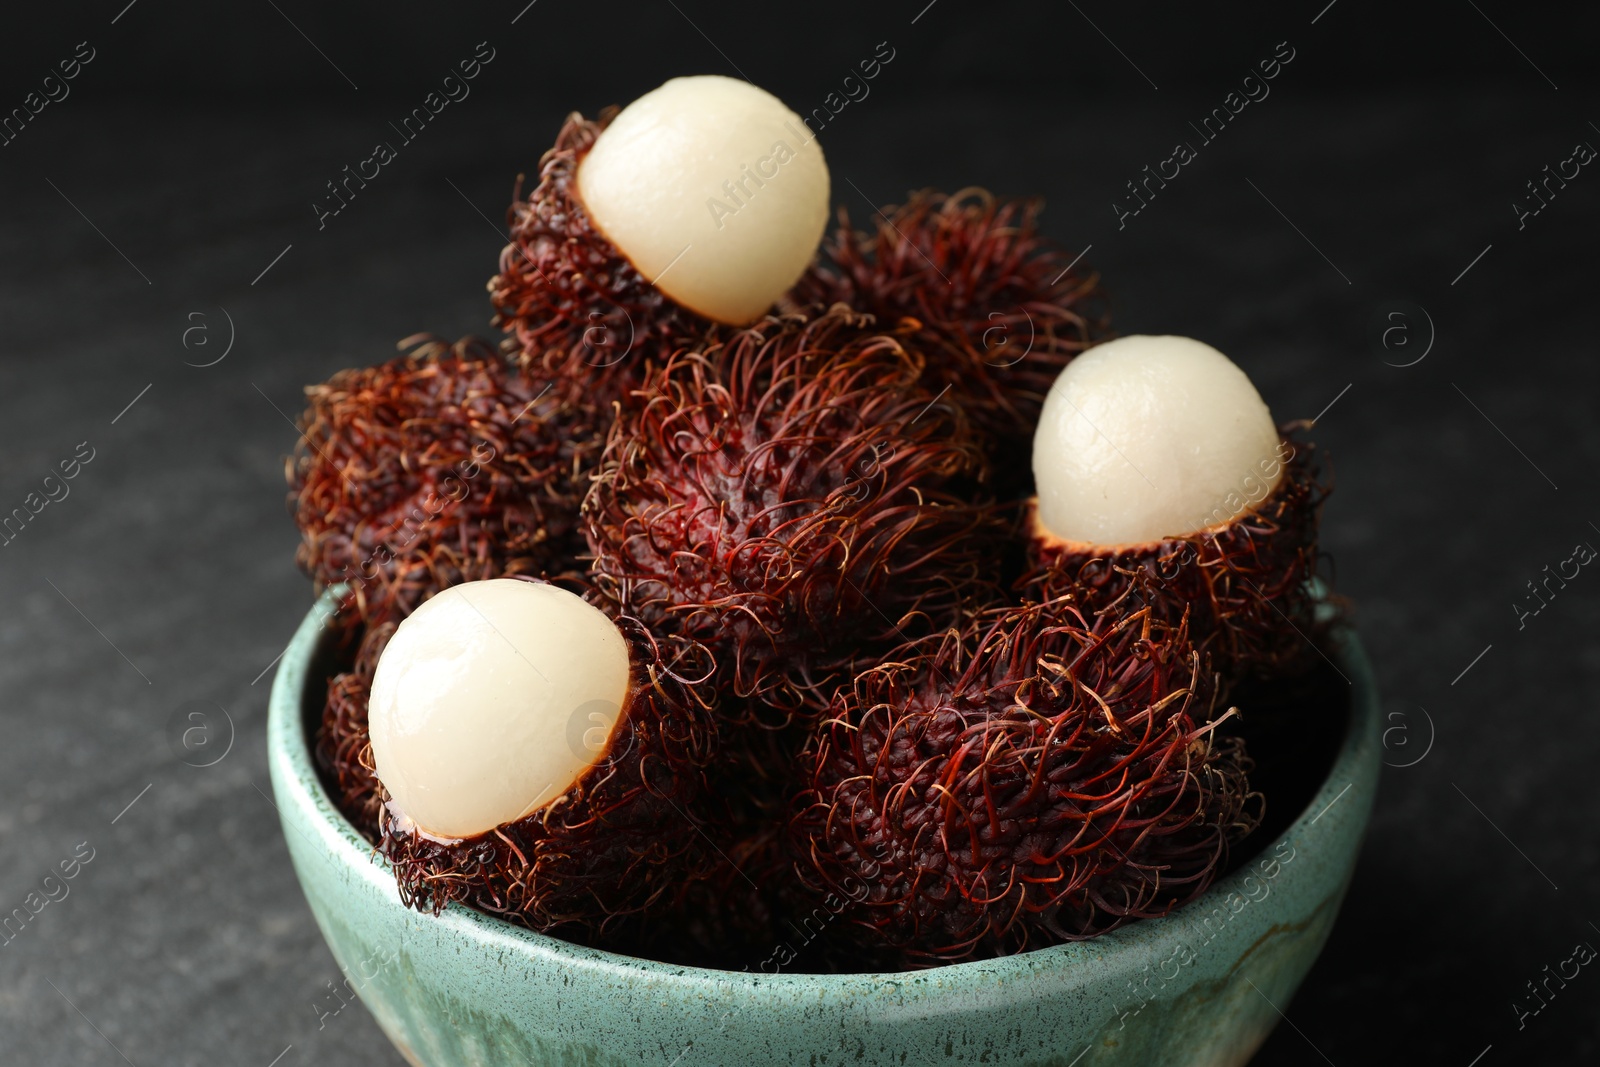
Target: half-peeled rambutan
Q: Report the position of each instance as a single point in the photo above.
(790, 497)
(1156, 458)
(1245, 582)
(1035, 777)
(594, 731)
(997, 308)
(701, 202)
(442, 466)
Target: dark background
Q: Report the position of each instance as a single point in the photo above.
(187, 158)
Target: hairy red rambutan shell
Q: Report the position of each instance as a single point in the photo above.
(573, 303)
(439, 467)
(343, 748)
(624, 838)
(786, 497)
(1037, 776)
(1243, 583)
(997, 308)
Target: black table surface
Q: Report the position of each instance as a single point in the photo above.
(167, 292)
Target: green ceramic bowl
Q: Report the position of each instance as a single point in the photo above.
(1202, 986)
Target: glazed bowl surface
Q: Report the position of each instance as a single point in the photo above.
(1201, 987)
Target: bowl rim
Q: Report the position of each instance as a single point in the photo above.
(299, 786)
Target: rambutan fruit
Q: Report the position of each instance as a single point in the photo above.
(789, 497)
(540, 760)
(997, 308)
(1156, 458)
(701, 202)
(441, 466)
(1037, 776)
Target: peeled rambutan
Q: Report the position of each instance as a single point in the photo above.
(540, 760)
(1035, 777)
(997, 307)
(1162, 477)
(790, 497)
(442, 466)
(699, 203)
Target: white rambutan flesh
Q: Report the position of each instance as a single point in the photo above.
(492, 700)
(714, 190)
(1144, 437)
